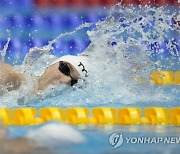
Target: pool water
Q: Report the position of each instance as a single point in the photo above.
(97, 139)
(131, 42)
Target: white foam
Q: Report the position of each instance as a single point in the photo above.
(55, 134)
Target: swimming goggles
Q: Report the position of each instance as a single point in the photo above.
(64, 69)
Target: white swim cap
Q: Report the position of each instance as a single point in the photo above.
(79, 62)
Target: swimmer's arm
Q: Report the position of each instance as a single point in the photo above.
(9, 77)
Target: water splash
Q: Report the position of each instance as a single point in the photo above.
(4, 50)
(129, 44)
(119, 55)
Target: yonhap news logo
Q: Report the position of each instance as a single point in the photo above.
(116, 140)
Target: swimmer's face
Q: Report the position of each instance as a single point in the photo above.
(53, 76)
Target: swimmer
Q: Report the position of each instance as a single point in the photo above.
(65, 70)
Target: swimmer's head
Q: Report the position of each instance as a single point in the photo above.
(67, 69)
(80, 63)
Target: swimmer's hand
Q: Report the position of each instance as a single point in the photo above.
(21, 101)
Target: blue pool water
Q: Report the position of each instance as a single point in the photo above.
(97, 139)
(140, 39)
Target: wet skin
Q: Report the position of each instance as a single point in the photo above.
(51, 76)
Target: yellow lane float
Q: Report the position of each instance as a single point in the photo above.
(165, 77)
(94, 116)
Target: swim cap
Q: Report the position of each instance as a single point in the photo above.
(79, 62)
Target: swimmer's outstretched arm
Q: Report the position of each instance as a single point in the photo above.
(9, 78)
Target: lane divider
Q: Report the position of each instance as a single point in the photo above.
(94, 116)
(165, 77)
